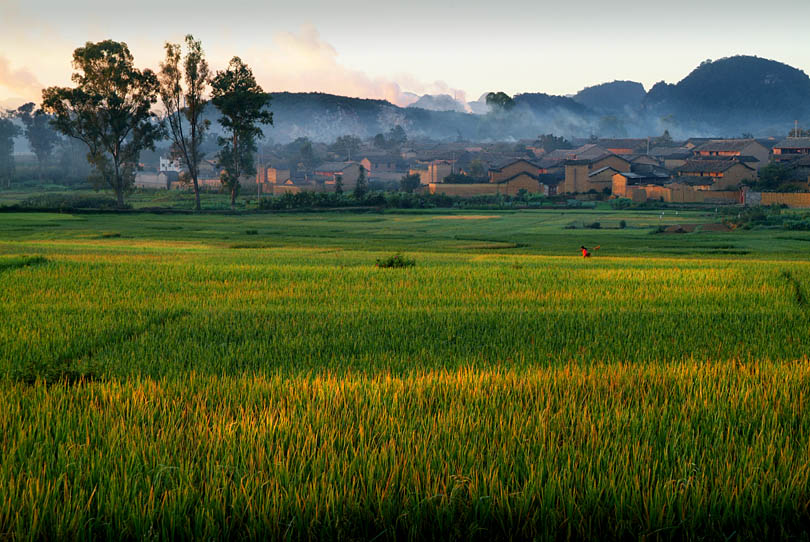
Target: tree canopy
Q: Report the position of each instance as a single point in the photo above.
(40, 135)
(109, 109)
(185, 106)
(242, 103)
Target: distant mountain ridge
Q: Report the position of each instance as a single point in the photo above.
(755, 90)
(725, 97)
(617, 96)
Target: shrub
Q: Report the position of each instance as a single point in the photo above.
(594, 225)
(395, 261)
(66, 202)
(622, 224)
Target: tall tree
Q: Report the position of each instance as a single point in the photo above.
(242, 102)
(185, 106)
(346, 146)
(41, 136)
(500, 100)
(396, 136)
(8, 131)
(110, 110)
(361, 188)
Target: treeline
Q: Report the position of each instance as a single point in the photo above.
(111, 115)
(399, 200)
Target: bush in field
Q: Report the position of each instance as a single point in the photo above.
(67, 202)
(394, 262)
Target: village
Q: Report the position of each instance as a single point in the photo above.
(751, 171)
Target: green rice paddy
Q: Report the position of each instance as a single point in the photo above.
(256, 376)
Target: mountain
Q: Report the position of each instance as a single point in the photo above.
(615, 97)
(727, 97)
(736, 94)
(439, 102)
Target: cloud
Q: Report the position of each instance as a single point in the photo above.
(19, 81)
(304, 62)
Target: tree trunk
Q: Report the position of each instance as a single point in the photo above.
(119, 195)
(233, 197)
(196, 194)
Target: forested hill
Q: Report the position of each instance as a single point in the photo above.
(741, 92)
(725, 97)
(614, 97)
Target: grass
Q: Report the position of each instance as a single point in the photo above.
(190, 379)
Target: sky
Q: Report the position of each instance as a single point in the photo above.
(379, 49)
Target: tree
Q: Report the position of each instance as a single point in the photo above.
(8, 131)
(361, 188)
(346, 146)
(41, 137)
(397, 136)
(242, 103)
(773, 177)
(409, 183)
(500, 100)
(380, 142)
(110, 110)
(550, 142)
(339, 184)
(185, 106)
(477, 169)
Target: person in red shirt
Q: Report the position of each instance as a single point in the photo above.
(585, 252)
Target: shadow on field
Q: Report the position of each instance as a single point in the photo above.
(77, 366)
(24, 261)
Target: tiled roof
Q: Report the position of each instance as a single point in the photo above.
(718, 145)
(794, 143)
(709, 166)
(334, 166)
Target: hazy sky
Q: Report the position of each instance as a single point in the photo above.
(382, 49)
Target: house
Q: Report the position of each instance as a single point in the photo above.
(791, 148)
(623, 146)
(167, 164)
(725, 174)
(578, 178)
(733, 149)
(432, 172)
(509, 186)
(510, 168)
(328, 174)
(624, 184)
(640, 188)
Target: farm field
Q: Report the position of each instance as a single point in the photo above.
(256, 376)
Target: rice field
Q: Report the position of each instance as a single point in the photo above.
(172, 377)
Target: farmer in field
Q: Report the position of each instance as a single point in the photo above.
(587, 253)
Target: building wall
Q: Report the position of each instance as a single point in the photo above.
(733, 176)
(619, 185)
(424, 176)
(797, 199)
(511, 188)
(438, 170)
(576, 178)
(154, 181)
(523, 182)
(511, 170)
(277, 176)
(463, 190)
(616, 162)
(681, 194)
